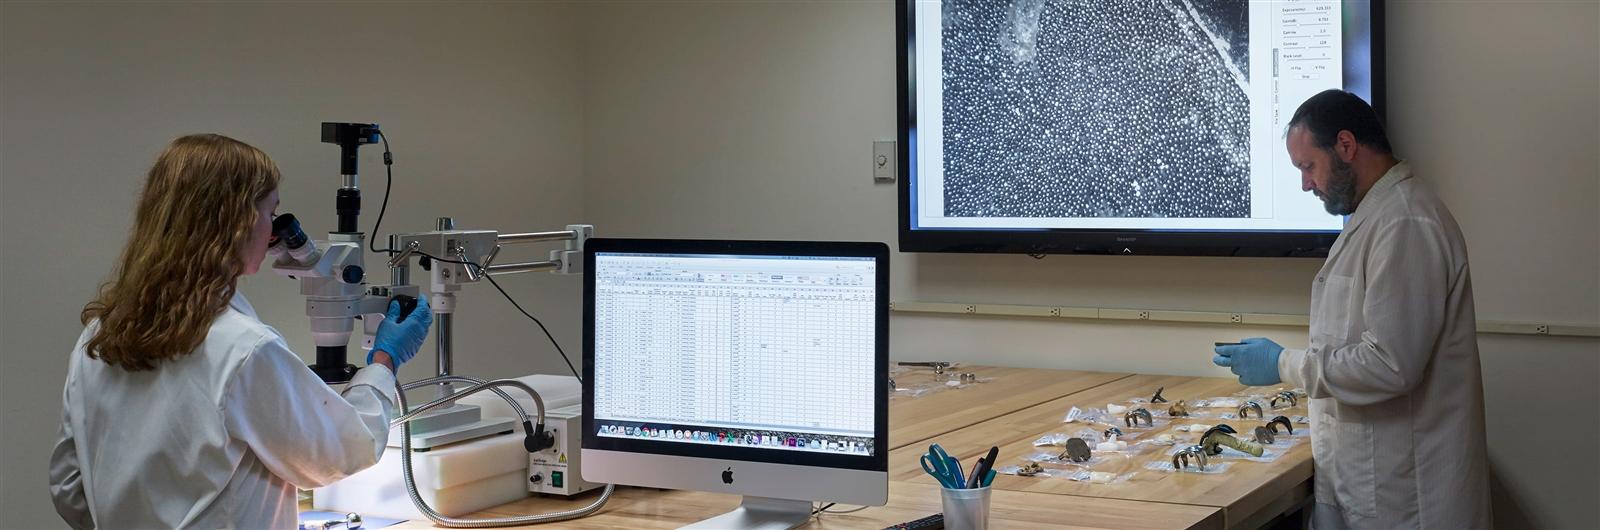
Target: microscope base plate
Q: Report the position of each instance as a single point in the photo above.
(431, 439)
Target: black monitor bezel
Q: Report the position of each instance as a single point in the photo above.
(877, 461)
(1097, 241)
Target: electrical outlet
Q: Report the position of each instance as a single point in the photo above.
(1237, 318)
(883, 161)
(1055, 312)
(1542, 329)
(1144, 315)
(972, 309)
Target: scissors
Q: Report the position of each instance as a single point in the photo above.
(943, 467)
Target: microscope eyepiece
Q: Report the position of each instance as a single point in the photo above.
(286, 230)
(289, 242)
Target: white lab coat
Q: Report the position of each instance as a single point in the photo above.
(218, 438)
(1392, 369)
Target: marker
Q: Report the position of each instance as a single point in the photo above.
(1221, 344)
(981, 472)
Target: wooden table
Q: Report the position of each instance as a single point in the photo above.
(1012, 409)
(650, 508)
(1003, 391)
(1249, 493)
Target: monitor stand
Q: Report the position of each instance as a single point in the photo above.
(759, 513)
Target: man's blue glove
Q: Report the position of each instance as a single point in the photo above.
(1255, 361)
(401, 338)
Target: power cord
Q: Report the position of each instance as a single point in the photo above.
(825, 509)
(525, 313)
(388, 165)
(486, 276)
(388, 169)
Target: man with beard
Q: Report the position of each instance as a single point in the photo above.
(1397, 426)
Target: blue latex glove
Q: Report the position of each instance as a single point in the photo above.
(402, 338)
(1255, 361)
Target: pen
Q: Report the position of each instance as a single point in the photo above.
(980, 474)
(1221, 344)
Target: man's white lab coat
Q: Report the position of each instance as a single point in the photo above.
(218, 438)
(1392, 369)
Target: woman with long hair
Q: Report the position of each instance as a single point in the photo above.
(181, 408)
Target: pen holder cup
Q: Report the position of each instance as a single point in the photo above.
(966, 509)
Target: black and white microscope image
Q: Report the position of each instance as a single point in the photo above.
(1096, 108)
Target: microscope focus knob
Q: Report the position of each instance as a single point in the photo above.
(352, 274)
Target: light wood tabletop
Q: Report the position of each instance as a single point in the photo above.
(1000, 391)
(1248, 492)
(1010, 408)
(650, 508)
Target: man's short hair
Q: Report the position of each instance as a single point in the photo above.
(1334, 110)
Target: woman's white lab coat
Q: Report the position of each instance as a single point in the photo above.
(218, 438)
(1392, 369)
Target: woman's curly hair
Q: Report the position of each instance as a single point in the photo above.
(182, 262)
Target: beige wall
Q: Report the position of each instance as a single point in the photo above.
(751, 120)
(481, 103)
(755, 120)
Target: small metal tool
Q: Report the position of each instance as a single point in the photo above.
(891, 385)
(1157, 398)
(969, 377)
(1219, 428)
(1264, 435)
(1280, 420)
(1244, 410)
(1284, 397)
(1077, 450)
(937, 366)
(351, 520)
(1178, 409)
(1030, 469)
(1132, 418)
(1113, 431)
(1194, 453)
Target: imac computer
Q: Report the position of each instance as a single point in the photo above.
(756, 368)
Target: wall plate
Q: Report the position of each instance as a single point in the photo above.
(883, 161)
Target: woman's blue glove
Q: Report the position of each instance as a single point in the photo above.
(1255, 361)
(402, 337)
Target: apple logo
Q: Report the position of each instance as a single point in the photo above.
(727, 476)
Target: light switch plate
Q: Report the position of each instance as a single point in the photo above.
(883, 161)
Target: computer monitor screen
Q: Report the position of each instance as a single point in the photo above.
(1127, 127)
(725, 352)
